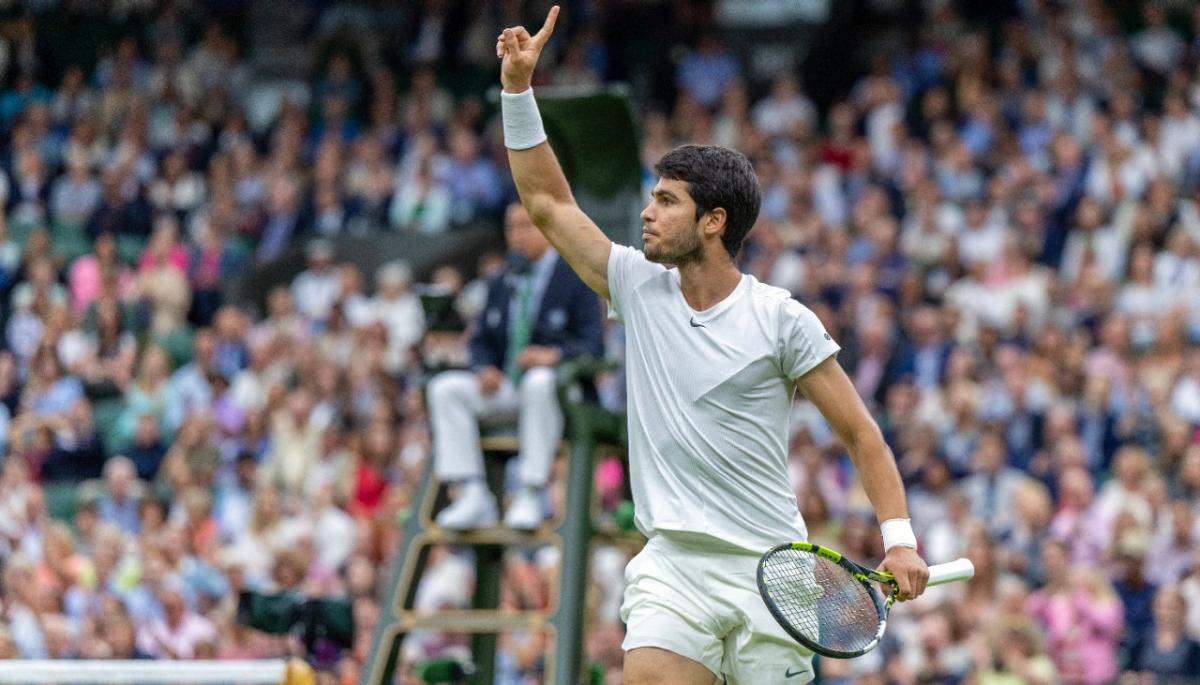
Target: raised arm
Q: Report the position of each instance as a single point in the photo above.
(535, 169)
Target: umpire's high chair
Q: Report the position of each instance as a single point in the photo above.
(588, 427)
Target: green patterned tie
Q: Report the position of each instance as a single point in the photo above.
(520, 329)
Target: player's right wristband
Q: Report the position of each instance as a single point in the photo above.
(522, 120)
(898, 533)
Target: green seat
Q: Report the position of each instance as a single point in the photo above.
(178, 345)
(69, 241)
(19, 231)
(107, 413)
(130, 247)
(242, 246)
(61, 500)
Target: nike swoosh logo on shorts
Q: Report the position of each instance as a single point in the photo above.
(790, 674)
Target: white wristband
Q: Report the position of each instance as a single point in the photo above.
(522, 121)
(897, 532)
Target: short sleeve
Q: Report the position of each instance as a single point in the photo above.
(804, 340)
(627, 269)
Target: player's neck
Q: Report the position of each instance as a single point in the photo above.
(707, 282)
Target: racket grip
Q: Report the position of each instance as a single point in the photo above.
(959, 569)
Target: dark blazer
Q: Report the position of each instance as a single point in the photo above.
(904, 363)
(568, 318)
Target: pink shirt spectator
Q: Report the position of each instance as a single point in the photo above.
(177, 257)
(1082, 630)
(1084, 532)
(85, 282)
(158, 638)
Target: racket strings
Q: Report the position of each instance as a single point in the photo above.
(821, 600)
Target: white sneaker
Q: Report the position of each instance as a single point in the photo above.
(525, 512)
(475, 507)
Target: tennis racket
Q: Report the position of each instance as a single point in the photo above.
(830, 604)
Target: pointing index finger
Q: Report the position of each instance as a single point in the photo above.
(543, 34)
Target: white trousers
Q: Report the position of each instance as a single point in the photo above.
(457, 405)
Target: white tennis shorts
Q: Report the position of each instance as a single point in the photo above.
(684, 597)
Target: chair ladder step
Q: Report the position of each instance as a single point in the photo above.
(473, 621)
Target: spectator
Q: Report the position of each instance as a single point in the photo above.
(1085, 542)
(424, 203)
(317, 288)
(213, 262)
(1136, 592)
(706, 71)
(190, 389)
(78, 452)
(88, 272)
(148, 394)
(295, 445)
(1185, 398)
(398, 309)
(1168, 654)
(118, 212)
(993, 486)
(122, 491)
(355, 304)
(1171, 545)
(147, 448)
(282, 220)
(1157, 46)
(113, 346)
(179, 632)
(49, 392)
(178, 190)
(1081, 616)
(471, 178)
(76, 195)
(785, 109)
(1016, 656)
(162, 277)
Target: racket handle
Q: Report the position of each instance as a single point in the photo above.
(959, 569)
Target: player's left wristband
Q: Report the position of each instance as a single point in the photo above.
(522, 120)
(898, 533)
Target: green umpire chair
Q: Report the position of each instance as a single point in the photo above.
(588, 427)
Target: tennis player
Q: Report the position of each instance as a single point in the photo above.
(713, 360)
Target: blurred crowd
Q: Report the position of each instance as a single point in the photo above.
(165, 449)
(1002, 230)
(1000, 225)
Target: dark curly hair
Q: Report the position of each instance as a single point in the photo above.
(717, 177)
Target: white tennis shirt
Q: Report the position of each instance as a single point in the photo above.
(709, 395)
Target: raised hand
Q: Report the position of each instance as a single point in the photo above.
(520, 51)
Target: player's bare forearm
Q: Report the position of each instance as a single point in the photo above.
(539, 177)
(828, 387)
(877, 467)
(544, 192)
(540, 180)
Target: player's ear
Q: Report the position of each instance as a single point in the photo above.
(715, 220)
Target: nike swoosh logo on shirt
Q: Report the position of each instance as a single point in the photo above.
(695, 324)
(790, 674)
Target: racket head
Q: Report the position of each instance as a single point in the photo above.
(822, 600)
